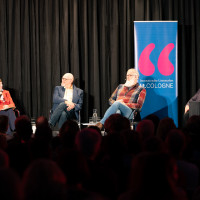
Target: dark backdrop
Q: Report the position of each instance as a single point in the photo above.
(40, 40)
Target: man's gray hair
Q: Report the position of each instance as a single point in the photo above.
(134, 71)
(68, 76)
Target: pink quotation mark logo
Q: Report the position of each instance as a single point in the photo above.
(165, 67)
(146, 67)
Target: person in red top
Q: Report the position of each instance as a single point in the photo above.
(126, 97)
(6, 107)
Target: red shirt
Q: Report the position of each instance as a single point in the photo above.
(133, 97)
(7, 100)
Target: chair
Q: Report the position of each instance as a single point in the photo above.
(17, 112)
(136, 117)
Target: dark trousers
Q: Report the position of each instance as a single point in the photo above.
(11, 119)
(60, 115)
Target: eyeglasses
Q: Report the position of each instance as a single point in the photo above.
(134, 75)
(65, 79)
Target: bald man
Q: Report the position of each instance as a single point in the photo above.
(126, 97)
(67, 101)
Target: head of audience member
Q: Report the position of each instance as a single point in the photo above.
(115, 145)
(88, 141)
(68, 133)
(43, 179)
(133, 141)
(155, 119)
(154, 144)
(132, 77)
(67, 80)
(145, 129)
(43, 133)
(4, 159)
(74, 166)
(23, 127)
(41, 121)
(96, 128)
(164, 126)
(3, 123)
(175, 142)
(116, 123)
(154, 173)
(10, 184)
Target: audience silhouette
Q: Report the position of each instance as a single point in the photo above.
(155, 161)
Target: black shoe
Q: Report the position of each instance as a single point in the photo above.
(50, 125)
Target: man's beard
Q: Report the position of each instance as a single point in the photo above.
(130, 83)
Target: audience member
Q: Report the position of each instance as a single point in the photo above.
(103, 180)
(10, 185)
(116, 122)
(154, 144)
(42, 121)
(192, 128)
(88, 141)
(18, 147)
(67, 133)
(43, 179)
(23, 128)
(40, 145)
(3, 129)
(165, 125)
(75, 167)
(153, 176)
(3, 124)
(4, 159)
(189, 173)
(155, 119)
(145, 129)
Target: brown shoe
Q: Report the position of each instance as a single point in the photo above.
(99, 125)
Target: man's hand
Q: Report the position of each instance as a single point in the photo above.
(121, 101)
(5, 106)
(186, 108)
(70, 105)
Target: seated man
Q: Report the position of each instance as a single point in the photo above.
(126, 97)
(196, 97)
(67, 101)
(6, 107)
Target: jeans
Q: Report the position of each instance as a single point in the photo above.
(118, 107)
(61, 115)
(11, 119)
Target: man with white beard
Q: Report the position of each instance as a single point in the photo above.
(126, 97)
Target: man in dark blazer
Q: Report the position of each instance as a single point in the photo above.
(196, 97)
(67, 101)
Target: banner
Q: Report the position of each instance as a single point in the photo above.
(156, 60)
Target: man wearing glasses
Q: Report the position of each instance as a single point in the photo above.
(67, 101)
(126, 97)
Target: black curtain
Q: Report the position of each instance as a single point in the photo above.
(40, 40)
